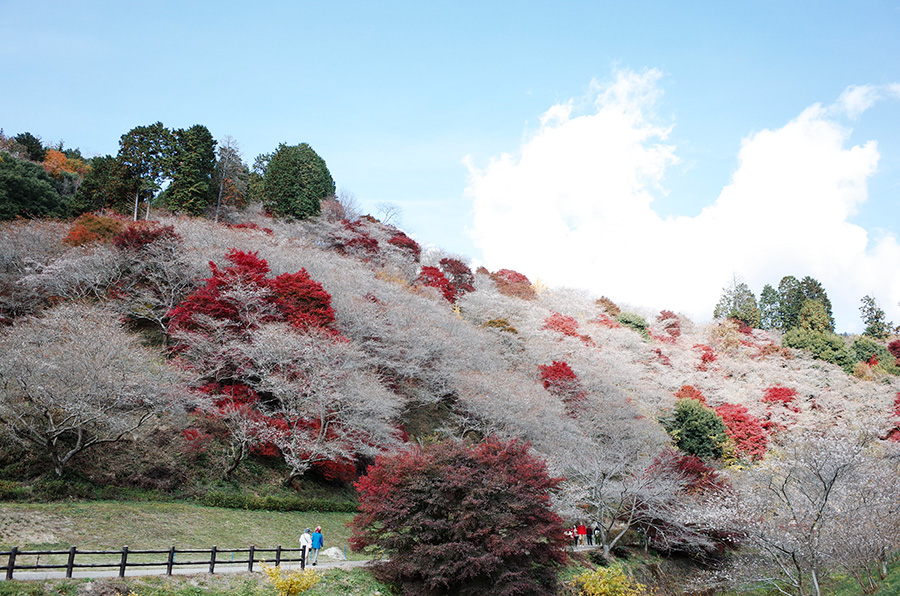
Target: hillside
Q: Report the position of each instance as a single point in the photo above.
(248, 375)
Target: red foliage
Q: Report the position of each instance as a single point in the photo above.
(664, 360)
(138, 235)
(671, 323)
(359, 243)
(560, 380)
(459, 275)
(699, 477)
(297, 298)
(434, 278)
(779, 394)
(561, 324)
(873, 360)
(690, 392)
(605, 321)
(196, 440)
(407, 244)
(302, 300)
(335, 471)
(896, 413)
(707, 356)
(567, 326)
(92, 228)
(454, 518)
(250, 226)
(894, 349)
(513, 283)
(750, 437)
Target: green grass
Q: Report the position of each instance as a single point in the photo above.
(110, 525)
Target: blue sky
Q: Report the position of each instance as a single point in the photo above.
(647, 151)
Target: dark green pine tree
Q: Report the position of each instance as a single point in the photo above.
(738, 302)
(296, 181)
(768, 308)
(193, 186)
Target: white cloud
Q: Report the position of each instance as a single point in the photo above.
(573, 206)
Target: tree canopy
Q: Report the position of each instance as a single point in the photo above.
(296, 181)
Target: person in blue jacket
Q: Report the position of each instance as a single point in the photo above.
(317, 542)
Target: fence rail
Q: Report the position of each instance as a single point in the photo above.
(119, 558)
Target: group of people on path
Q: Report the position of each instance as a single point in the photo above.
(313, 543)
(582, 534)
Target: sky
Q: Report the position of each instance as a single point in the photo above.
(648, 151)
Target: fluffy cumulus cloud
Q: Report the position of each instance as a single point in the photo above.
(573, 207)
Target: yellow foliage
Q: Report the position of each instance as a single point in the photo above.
(290, 583)
(609, 581)
(538, 286)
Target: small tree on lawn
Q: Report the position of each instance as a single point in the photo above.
(696, 429)
(460, 519)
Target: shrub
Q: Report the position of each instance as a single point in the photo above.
(92, 228)
(746, 431)
(463, 519)
(823, 345)
(867, 350)
(608, 306)
(560, 380)
(636, 322)
(406, 244)
(500, 325)
(690, 392)
(609, 581)
(561, 324)
(433, 277)
(779, 395)
(696, 429)
(290, 583)
(138, 235)
(512, 283)
(459, 276)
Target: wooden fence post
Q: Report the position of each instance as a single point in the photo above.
(12, 562)
(71, 562)
(123, 562)
(278, 555)
(171, 560)
(252, 554)
(212, 560)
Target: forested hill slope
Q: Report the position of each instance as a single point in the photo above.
(396, 344)
(189, 356)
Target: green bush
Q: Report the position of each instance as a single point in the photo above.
(231, 500)
(864, 348)
(823, 345)
(696, 429)
(636, 322)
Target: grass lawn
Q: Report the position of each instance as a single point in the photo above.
(110, 525)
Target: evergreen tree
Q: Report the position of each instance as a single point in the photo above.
(32, 144)
(790, 300)
(147, 153)
(193, 186)
(296, 181)
(26, 190)
(696, 429)
(738, 302)
(768, 308)
(873, 317)
(813, 290)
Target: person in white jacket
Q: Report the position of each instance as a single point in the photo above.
(306, 541)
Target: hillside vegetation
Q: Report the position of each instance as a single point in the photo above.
(258, 362)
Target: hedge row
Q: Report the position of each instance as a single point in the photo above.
(271, 503)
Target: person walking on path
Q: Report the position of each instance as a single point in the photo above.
(317, 542)
(306, 544)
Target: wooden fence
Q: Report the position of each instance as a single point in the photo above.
(119, 558)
